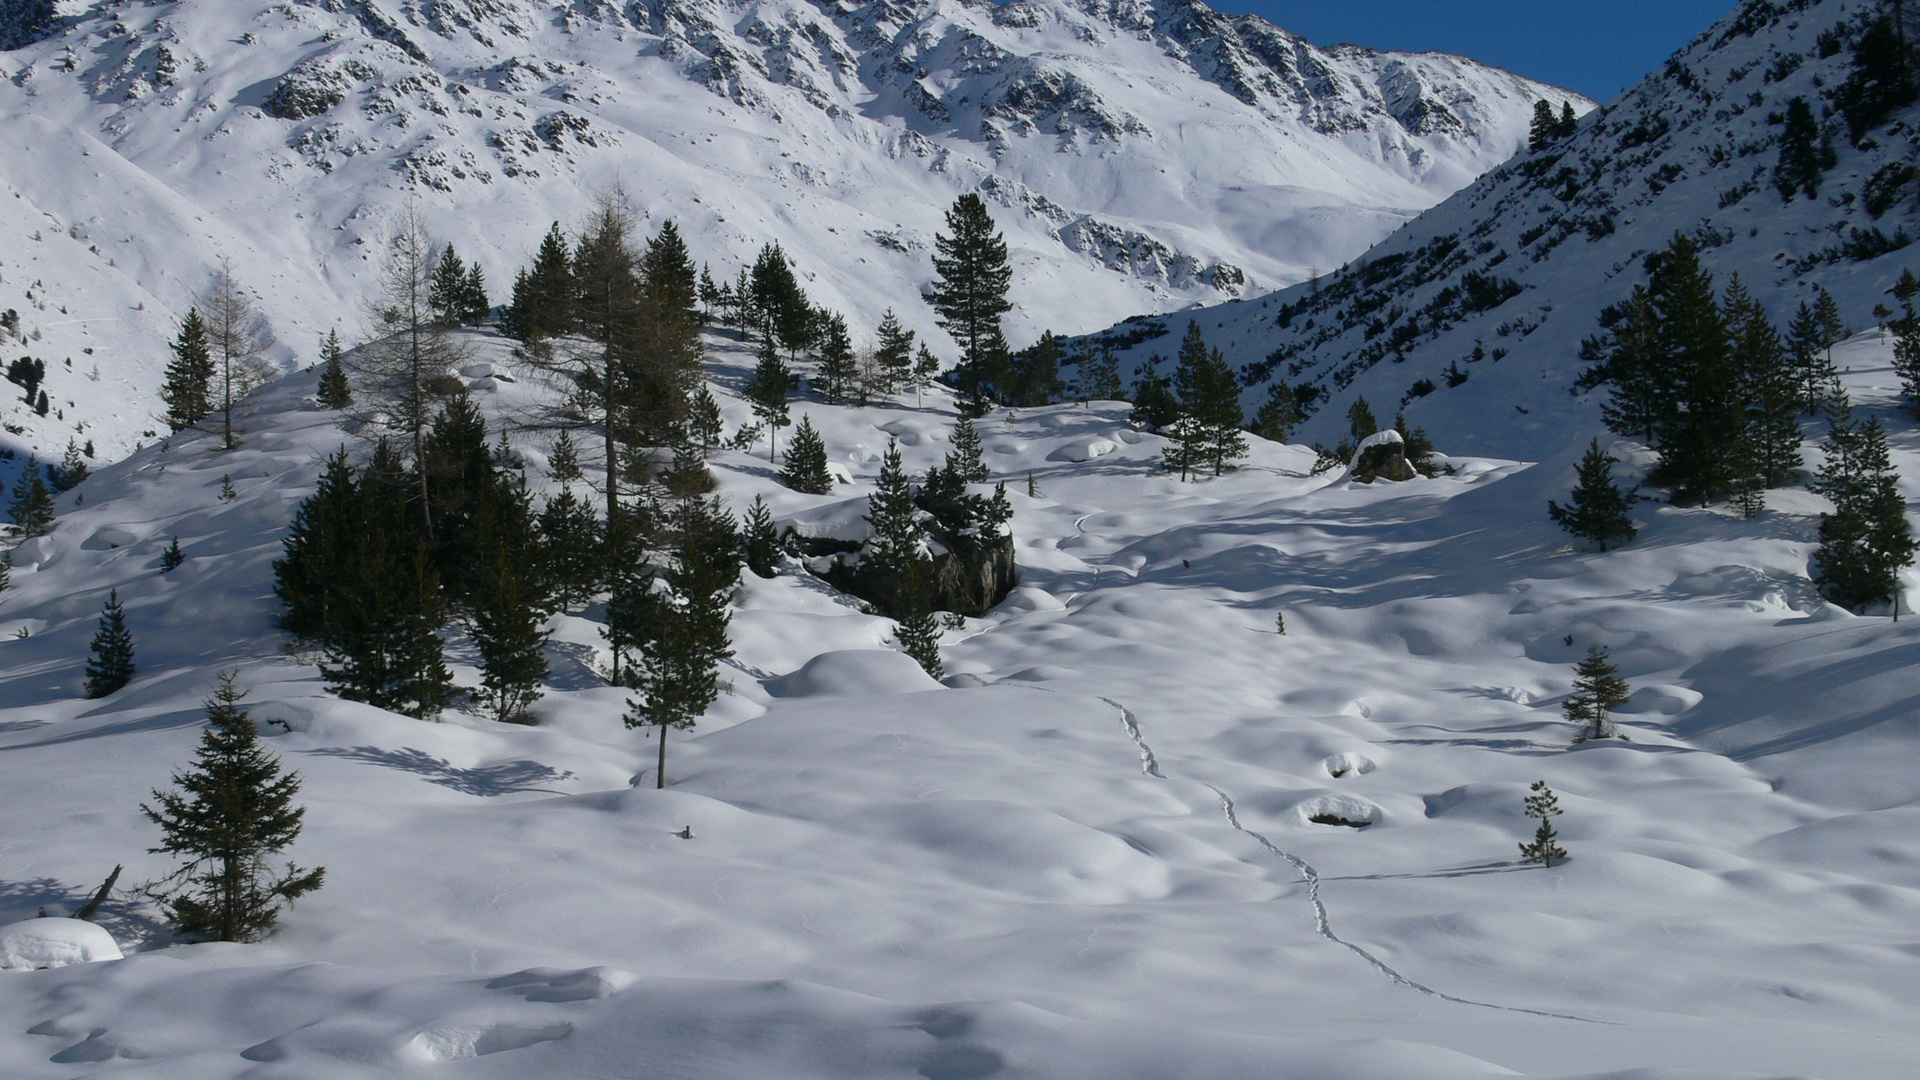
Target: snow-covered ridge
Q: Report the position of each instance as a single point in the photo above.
(1140, 156)
(1472, 315)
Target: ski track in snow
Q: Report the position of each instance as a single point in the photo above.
(1150, 765)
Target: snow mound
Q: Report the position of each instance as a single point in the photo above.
(456, 1041)
(1339, 810)
(1662, 699)
(1084, 450)
(1348, 764)
(52, 943)
(854, 673)
(1027, 598)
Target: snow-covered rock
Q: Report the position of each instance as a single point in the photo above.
(52, 943)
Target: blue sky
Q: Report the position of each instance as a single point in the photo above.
(1597, 47)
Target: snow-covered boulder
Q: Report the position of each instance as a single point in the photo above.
(1382, 456)
(52, 943)
(1084, 450)
(855, 673)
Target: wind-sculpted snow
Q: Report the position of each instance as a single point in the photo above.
(1139, 157)
(1205, 849)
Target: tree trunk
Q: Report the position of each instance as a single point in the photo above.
(92, 907)
(660, 774)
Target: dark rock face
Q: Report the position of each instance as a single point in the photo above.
(23, 22)
(1381, 458)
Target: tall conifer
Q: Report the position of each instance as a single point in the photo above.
(110, 666)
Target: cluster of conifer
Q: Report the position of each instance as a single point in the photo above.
(1548, 128)
(1199, 411)
(1709, 381)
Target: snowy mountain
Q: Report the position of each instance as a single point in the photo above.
(1481, 304)
(1140, 156)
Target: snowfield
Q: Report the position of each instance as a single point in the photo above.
(1089, 855)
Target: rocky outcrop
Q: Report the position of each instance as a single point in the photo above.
(968, 579)
(1382, 456)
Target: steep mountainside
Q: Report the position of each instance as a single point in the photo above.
(1140, 155)
(1482, 302)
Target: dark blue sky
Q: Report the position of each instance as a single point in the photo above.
(1597, 47)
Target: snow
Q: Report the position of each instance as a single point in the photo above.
(53, 943)
(1139, 158)
(1090, 853)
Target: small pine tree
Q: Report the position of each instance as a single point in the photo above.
(965, 459)
(41, 405)
(1598, 690)
(918, 635)
(507, 631)
(706, 428)
(171, 558)
(473, 296)
(1100, 376)
(232, 811)
(73, 469)
(111, 665)
(893, 353)
(1598, 511)
(767, 392)
(894, 544)
(188, 389)
(1360, 420)
(761, 542)
(572, 552)
(32, 504)
(1866, 541)
(806, 466)
(1542, 132)
(447, 292)
(1186, 447)
(926, 368)
(838, 369)
(677, 678)
(1154, 406)
(227, 494)
(564, 465)
(334, 392)
(1543, 805)
(6, 571)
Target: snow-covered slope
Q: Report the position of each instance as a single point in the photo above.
(1691, 149)
(1090, 855)
(1140, 155)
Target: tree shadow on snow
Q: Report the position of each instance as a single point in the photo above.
(123, 914)
(505, 778)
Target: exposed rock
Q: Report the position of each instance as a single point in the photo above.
(1382, 456)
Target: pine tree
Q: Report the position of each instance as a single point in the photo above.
(474, 303)
(1100, 376)
(506, 629)
(1276, 417)
(571, 546)
(894, 546)
(1700, 435)
(543, 293)
(965, 458)
(447, 289)
(73, 469)
(893, 353)
(1544, 130)
(1154, 406)
(767, 392)
(1034, 378)
(1906, 342)
(110, 666)
(926, 368)
(1770, 446)
(706, 428)
(1799, 168)
(188, 389)
(233, 810)
(1569, 123)
(40, 404)
(1186, 449)
(761, 542)
(1598, 690)
(1811, 359)
(969, 294)
(918, 632)
(564, 463)
(171, 557)
(227, 494)
(1544, 806)
(806, 466)
(32, 504)
(1361, 423)
(1881, 80)
(677, 677)
(1598, 511)
(334, 391)
(1866, 541)
(838, 369)
(6, 570)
